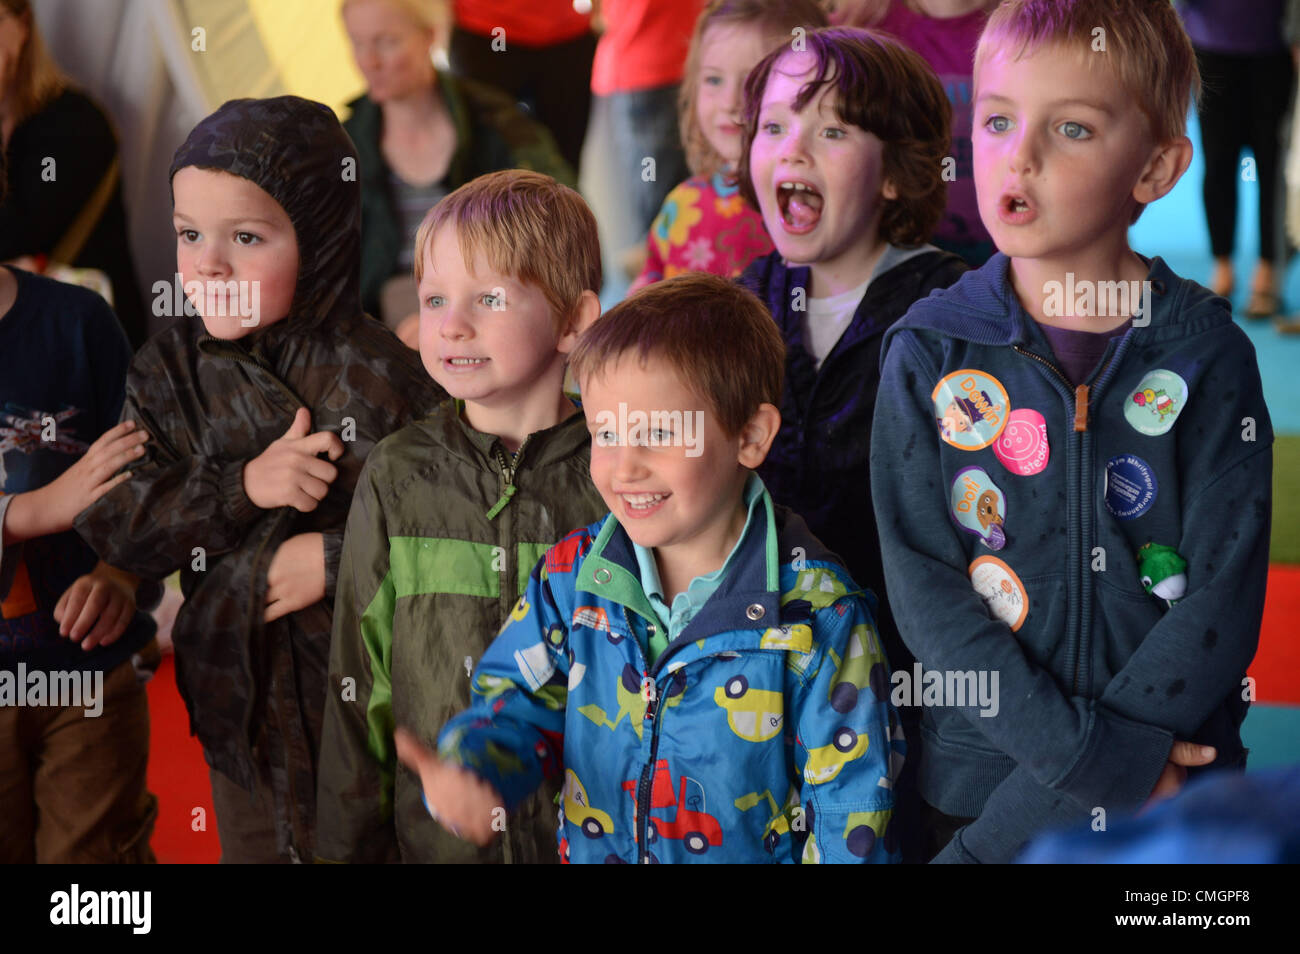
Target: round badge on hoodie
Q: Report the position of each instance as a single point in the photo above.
(1154, 405)
(970, 409)
(1023, 447)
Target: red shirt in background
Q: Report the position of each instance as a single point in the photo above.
(526, 22)
(644, 44)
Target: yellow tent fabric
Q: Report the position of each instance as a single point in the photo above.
(269, 47)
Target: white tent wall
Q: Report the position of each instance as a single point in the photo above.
(144, 62)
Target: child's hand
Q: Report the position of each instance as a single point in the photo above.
(462, 802)
(296, 576)
(1174, 774)
(288, 473)
(53, 508)
(97, 607)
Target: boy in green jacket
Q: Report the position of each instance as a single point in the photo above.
(452, 511)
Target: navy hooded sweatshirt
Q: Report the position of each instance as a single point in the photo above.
(1011, 510)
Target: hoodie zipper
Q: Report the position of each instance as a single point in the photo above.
(1074, 532)
(1083, 395)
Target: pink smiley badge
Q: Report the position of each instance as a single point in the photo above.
(1022, 445)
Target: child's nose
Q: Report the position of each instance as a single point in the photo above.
(793, 148)
(629, 463)
(211, 261)
(453, 326)
(1024, 153)
(735, 97)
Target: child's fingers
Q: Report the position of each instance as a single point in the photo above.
(274, 610)
(1192, 753)
(70, 605)
(313, 487)
(300, 427)
(96, 600)
(321, 469)
(111, 624)
(60, 606)
(322, 442)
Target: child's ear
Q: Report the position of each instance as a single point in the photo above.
(1166, 166)
(583, 317)
(757, 435)
(888, 190)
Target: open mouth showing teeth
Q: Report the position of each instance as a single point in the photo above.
(801, 204)
(642, 501)
(1016, 204)
(466, 362)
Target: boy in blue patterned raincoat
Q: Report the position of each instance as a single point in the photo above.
(701, 670)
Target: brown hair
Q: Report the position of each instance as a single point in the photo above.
(778, 18)
(891, 92)
(526, 225)
(717, 336)
(1144, 43)
(37, 78)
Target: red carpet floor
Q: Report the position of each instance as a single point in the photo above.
(179, 776)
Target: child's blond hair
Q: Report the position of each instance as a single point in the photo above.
(1143, 41)
(527, 226)
(777, 18)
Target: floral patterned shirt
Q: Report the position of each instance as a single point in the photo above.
(703, 226)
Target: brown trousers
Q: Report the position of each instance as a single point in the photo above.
(72, 788)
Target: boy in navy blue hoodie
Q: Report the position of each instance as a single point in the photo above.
(1071, 458)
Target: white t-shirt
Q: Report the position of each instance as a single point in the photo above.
(826, 318)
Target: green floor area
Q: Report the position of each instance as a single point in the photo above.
(1285, 541)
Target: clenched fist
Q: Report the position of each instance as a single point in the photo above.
(288, 473)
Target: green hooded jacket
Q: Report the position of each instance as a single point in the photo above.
(443, 532)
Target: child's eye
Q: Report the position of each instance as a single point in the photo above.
(1074, 131)
(772, 128)
(605, 438)
(713, 80)
(660, 436)
(834, 132)
(188, 235)
(246, 238)
(997, 124)
(434, 301)
(495, 302)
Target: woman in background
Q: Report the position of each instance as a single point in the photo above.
(64, 204)
(420, 133)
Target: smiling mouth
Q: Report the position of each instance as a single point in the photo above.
(466, 362)
(800, 204)
(639, 503)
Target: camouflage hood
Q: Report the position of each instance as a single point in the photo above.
(294, 150)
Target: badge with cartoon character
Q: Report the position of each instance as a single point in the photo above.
(979, 506)
(1156, 403)
(970, 409)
